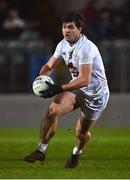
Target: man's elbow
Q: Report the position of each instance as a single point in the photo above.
(85, 82)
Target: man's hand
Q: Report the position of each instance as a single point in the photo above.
(51, 91)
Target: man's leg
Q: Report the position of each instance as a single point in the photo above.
(58, 107)
(92, 108)
(82, 137)
(82, 131)
(62, 103)
(47, 131)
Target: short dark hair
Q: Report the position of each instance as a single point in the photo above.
(73, 17)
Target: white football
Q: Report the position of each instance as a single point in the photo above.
(39, 84)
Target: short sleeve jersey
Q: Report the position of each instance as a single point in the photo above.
(83, 52)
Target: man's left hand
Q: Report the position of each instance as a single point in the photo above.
(51, 91)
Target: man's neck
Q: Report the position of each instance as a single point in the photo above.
(76, 39)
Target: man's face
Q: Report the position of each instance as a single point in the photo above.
(70, 32)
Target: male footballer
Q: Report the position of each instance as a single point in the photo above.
(88, 89)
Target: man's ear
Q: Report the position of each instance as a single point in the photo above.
(80, 29)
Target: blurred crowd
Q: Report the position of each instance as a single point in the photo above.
(35, 19)
(108, 22)
(21, 19)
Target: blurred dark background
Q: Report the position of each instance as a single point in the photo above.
(30, 30)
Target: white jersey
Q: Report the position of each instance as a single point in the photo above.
(83, 52)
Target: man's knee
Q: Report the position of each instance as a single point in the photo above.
(53, 113)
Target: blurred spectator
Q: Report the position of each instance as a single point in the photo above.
(89, 11)
(49, 21)
(13, 24)
(3, 11)
(98, 28)
(118, 28)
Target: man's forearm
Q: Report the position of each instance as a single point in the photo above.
(75, 84)
(45, 70)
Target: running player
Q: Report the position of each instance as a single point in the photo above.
(88, 89)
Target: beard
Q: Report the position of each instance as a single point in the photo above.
(72, 40)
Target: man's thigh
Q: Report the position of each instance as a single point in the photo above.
(64, 102)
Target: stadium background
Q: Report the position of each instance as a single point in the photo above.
(24, 49)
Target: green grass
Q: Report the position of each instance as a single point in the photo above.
(106, 156)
